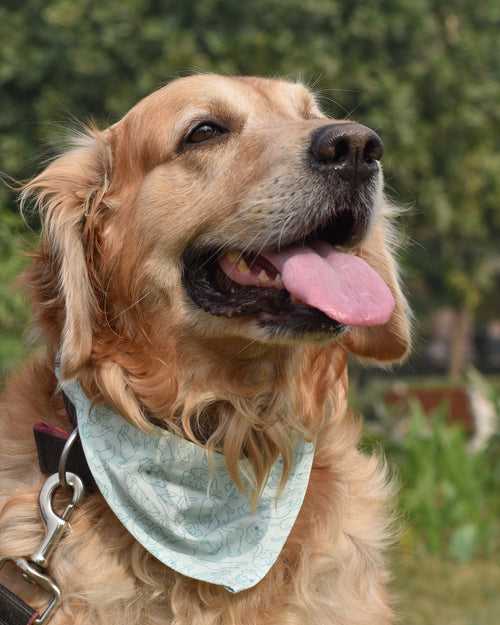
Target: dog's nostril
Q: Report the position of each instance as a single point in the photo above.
(340, 151)
(374, 150)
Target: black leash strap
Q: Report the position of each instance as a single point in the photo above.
(13, 610)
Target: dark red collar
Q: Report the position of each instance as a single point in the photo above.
(50, 441)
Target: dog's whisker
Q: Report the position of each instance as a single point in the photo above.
(218, 251)
(138, 301)
(248, 345)
(336, 103)
(247, 247)
(284, 227)
(352, 111)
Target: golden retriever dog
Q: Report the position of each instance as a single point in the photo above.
(209, 262)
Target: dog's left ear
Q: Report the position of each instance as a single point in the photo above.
(392, 341)
(70, 195)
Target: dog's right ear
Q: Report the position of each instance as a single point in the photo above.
(70, 194)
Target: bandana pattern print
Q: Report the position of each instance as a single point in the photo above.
(181, 504)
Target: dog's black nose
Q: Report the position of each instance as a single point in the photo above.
(351, 149)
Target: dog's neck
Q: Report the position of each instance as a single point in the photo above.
(239, 398)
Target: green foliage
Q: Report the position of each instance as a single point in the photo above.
(13, 309)
(425, 74)
(450, 497)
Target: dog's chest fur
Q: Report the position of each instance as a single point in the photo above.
(331, 571)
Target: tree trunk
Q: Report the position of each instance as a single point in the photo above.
(460, 343)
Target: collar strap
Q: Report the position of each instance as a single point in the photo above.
(50, 441)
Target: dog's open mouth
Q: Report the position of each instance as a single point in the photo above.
(308, 286)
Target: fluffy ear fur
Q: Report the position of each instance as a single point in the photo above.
(392, 341)
(69, 194)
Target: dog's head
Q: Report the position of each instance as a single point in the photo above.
(208, 190)
(218, 211)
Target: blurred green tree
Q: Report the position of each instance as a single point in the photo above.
(425, 74)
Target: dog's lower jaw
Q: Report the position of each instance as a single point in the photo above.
(331, 571)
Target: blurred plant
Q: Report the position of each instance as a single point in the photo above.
(450, 497)
(13, 310)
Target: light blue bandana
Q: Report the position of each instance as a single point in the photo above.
(191, 518)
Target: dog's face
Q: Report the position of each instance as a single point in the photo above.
(233, 207)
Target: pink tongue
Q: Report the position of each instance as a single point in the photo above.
(343, 286)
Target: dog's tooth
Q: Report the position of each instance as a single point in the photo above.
(278, 282)
(243, 267)
(263, 278)
(232, 257)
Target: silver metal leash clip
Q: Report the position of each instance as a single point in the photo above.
(33, 567)
(55, 524)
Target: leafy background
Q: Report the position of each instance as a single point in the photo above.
(426, 75)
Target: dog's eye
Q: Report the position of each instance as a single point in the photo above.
(204, 132)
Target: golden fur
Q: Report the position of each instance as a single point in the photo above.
(118, 209)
